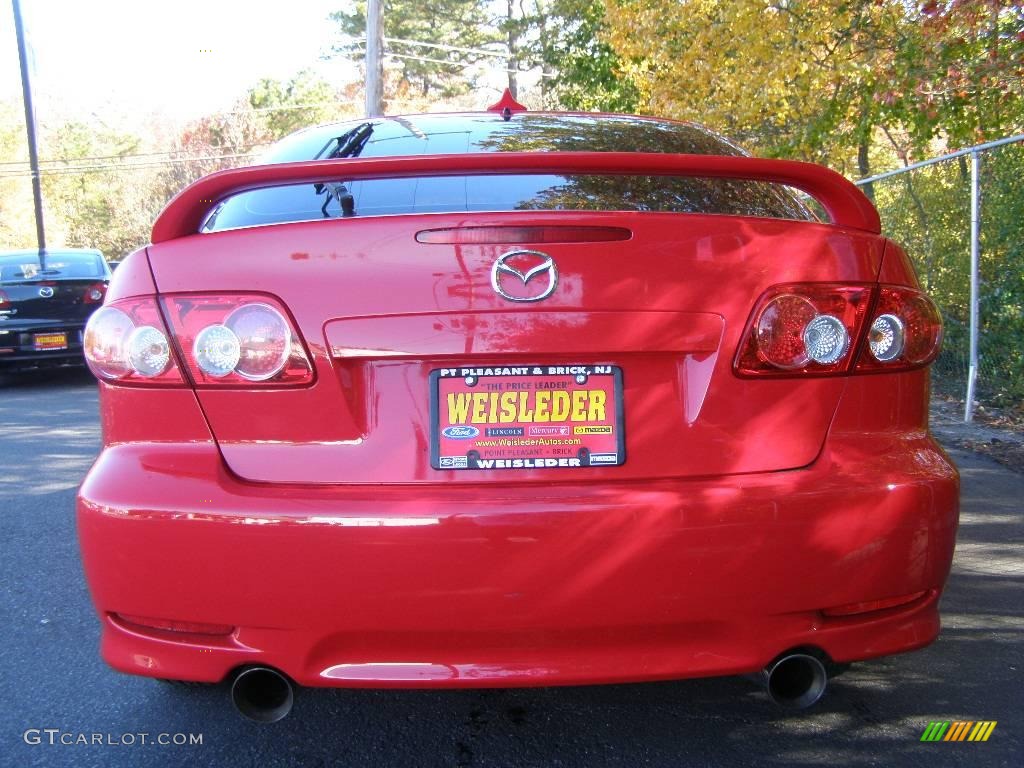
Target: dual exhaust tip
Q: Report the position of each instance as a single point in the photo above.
(262, 694)
(794, 681)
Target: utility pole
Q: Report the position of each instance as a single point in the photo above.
(30, 129)
(374, 58)
(513, 39)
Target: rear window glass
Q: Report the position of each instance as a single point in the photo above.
(509, 193)
(429, 135)
(17, 267)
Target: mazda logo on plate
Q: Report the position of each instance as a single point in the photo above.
(523, 266)
(46, 292)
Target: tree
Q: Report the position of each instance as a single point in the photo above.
(817, 79)
(588, 73)
(17, 223)
(306, 99)
(443, 25)
(91, 203)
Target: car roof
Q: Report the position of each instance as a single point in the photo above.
(460, 132)
(49, 251)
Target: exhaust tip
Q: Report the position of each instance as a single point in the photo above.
(796, 680)
(262, 694)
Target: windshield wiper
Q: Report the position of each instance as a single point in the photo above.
(349, 144)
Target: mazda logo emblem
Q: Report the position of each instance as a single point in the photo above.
(516, 264)
(46, 292)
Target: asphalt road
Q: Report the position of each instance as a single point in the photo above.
(51, 675)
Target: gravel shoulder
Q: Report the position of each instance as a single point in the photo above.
(998, 434)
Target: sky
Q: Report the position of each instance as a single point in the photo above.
(117, 60)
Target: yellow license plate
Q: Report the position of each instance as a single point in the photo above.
(51, 341)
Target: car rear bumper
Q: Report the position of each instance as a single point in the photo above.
(17, 349)
(509, 585)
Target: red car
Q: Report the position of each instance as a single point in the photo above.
(514, 399)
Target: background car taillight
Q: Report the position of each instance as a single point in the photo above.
(95, 293)
(127, 341)
(237, 340)
(810, 329)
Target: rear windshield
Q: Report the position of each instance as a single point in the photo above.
(489, 133)
(18, 267)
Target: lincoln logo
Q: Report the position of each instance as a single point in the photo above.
(513, 272)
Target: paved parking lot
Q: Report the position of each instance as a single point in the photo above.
(51, 676)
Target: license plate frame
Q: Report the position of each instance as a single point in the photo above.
(55, 341)
(498, 442)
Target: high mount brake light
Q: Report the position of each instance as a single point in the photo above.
(239, 340)
(507, 235)
(127, 342)
(815, 329)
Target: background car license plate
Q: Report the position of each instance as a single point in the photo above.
(523, 417)
(43, 341)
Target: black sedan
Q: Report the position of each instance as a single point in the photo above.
(45, 299)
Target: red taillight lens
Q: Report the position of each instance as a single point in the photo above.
(126, 341)
(95, 293)
(237, 340)
(4, 300)
(905, 331)
(809, 329)
(803, 329)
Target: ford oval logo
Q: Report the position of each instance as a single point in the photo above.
(460, 433)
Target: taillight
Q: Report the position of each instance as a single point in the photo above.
(237, 340)
(813, 329)
(905, 331)
(4, 300)
(803, 329)
(127, 341)
(95, 293)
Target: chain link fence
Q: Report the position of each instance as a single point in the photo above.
(927, 208)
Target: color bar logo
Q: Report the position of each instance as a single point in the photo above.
(959, 730)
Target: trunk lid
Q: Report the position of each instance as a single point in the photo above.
(49, 300)
(380, 310)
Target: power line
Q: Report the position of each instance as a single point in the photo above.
(456, 63)
(291, 107)
(441, 46)
(123, 166)
(310, 105)
(114, 157)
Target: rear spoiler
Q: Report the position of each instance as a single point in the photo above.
(845, 203)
